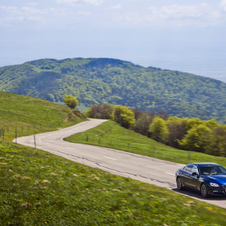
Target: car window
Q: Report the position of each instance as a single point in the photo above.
(188, 168)
(212, 170)
(205, 170)
(222, 170)
(194, 170)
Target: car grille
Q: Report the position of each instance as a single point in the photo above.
(224, 186)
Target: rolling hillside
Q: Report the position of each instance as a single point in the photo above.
(103, 80)
(25, 115)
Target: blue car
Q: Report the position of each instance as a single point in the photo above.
(208, 178)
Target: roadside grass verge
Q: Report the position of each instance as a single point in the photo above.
(38, 188)
(22, 115)
(111, 135)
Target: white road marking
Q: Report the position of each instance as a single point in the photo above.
(170, 173)
(109, 158)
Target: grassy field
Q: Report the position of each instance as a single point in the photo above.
(110, 134)
(38, 188)
(22, 115)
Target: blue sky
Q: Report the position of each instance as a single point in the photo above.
(188, 36)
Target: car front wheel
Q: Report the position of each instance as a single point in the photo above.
(204, 192)
(179, 184)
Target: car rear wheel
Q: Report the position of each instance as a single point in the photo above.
(203, 190)
(179, 184)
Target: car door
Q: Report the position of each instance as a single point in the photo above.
(194, 179)
(186, 175)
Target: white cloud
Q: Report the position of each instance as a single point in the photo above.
(84, 13)
(223, 5)
(112, 12)
(179, 15)
(29, 13)
(33, 3)
(71, 2)
(179, 12)
(119, 6)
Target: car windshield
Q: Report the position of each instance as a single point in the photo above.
(212, 170)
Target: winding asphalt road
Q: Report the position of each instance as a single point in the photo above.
(138, 167)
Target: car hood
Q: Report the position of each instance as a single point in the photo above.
(217, 178)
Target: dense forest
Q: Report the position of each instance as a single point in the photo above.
(190, 134)
(103, 80)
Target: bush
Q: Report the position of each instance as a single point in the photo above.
(124, 116)
(159, 130)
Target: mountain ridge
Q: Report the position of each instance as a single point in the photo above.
(107, 80)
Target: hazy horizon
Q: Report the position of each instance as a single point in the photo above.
(187, 36)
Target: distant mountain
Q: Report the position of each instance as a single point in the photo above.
(103, 80)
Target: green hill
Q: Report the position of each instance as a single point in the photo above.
(39, 188)
(28, 115)
(103, 80)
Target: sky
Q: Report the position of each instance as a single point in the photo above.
(188, 35)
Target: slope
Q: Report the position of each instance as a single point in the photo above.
(103, 80)
(22, 115)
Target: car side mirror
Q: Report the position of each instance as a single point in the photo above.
(194, 174)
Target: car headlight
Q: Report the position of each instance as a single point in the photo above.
(214, 185)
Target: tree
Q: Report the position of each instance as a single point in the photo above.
(124, 116)
(177, 130)
(192, 122)
(70, 101)
(211, 123)
(217, 142)
(142, 123)
(196, 138)
(159, 130)
(103, 111)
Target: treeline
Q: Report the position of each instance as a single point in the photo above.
(104, 80)
(183, 133)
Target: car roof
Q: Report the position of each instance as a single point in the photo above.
(200, 164)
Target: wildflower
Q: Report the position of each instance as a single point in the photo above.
(186, 204)
(116, 190)
(95, 177)
(45, 182)
(191, 203)
(26, 205)
(53, 174)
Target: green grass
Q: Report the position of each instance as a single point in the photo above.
(22, 115)
(38, 188)
(110, 134)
